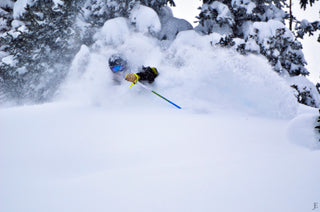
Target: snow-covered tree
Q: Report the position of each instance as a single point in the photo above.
(305, 27)
(259, 27)
(304, 3)
(42, 44)
(6, 15)
(216, 17)
(305, 91)
(97, 12)
(157, 4)
(284, 52)
(235, 16)
(278, 44)
(317, 127)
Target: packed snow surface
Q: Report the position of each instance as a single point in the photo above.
(239, 143)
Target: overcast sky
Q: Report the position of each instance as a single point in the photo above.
(187, 9)
(311, 48)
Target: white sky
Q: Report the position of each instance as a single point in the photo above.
(188, 9)
(311, 48)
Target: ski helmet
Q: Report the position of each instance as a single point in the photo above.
(117, 63)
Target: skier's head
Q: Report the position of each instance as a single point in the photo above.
(117, 63)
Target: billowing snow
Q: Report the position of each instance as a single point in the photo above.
(192, 72)
(80, 62)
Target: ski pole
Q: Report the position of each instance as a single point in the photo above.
(145, 87)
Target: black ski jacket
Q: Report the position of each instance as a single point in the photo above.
(148, 74)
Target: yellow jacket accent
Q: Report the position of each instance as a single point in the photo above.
(134, 82)
(154, 70)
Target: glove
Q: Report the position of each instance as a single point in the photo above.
(132, 78)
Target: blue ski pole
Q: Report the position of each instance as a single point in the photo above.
(145, 87)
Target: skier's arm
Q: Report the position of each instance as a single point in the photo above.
(148, 74)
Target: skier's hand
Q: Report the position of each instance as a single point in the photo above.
(132, 77)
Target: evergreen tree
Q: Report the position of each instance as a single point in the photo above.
(236, 18)
(216, 16)
(305, 95)
(317, 127)
(260, 27)
(305, 27)
(157, 4)
(304, 3)
(280, 47)
(40, 50)
(6, 15)
(96, 12)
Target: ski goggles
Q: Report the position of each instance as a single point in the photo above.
(117, 68)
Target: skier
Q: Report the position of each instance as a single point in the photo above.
(119, 66)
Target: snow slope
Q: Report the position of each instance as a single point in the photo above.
(240, 142)
(60, 157)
